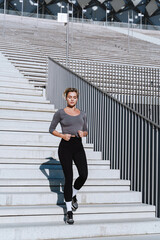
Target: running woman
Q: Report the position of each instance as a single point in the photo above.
(74, 126)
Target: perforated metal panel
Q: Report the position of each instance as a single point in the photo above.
(117, 5)
(151, 7)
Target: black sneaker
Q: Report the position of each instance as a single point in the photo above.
(74, 203)
(69, 217)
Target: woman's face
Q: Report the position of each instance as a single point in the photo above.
(71, 99)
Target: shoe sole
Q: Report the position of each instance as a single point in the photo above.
(70, 222)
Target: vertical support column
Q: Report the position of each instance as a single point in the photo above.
(157, 173)
(67, 36)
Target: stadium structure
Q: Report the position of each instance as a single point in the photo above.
(109, 51)
(96, 10)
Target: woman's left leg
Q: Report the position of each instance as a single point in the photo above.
(80, 161)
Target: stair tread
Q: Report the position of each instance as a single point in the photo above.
(88, 192)
(107, 205)
(84, 223)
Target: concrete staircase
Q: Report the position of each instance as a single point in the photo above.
(31, 186)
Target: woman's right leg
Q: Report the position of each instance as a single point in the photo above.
(65, 157)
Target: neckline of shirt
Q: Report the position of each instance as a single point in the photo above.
(72, 115)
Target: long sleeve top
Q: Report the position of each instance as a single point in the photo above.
(69, 124)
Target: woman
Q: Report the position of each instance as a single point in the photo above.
(74, 126)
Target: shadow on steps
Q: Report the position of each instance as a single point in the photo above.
(52, 169)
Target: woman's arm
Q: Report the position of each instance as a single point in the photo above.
(55, 120)
(85, 127)
(57, 134)
(61, 135)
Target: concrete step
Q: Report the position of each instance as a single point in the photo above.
(20, 51)
(33, 54)
(53, 188)
(34, 92)
(126, 237)
(4, 61)
(23, 63)
(34, 70)
(5, 64)
(20, 85)
(39, 152)
(91, 228)
(9, 125)
(27, 198)
(2, 58)
(48, 172)
(15, 53)
(91, 166)
(31, 139)
(29, 114)
(37, 83)
(26, 105)
(54, 166)
(9, 49)
(83, 209)
(13, 57)
(35, 78)
(23, 98)
(26, 67)
(56, 182)
(33, 73)
(7, 72)
(13, 79)
(30, 58)
(23, 66)
(49, 161)
(53, 213)
(30, 65)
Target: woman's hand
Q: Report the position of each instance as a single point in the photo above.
(80, 133)
(66, 137)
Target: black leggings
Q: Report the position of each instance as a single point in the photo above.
(68, 151)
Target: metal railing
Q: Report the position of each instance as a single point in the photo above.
(136, 86)
(28, 14)
(84, 20)
(117, 24)
(129, 140)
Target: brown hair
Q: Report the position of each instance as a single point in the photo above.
(67, 90)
